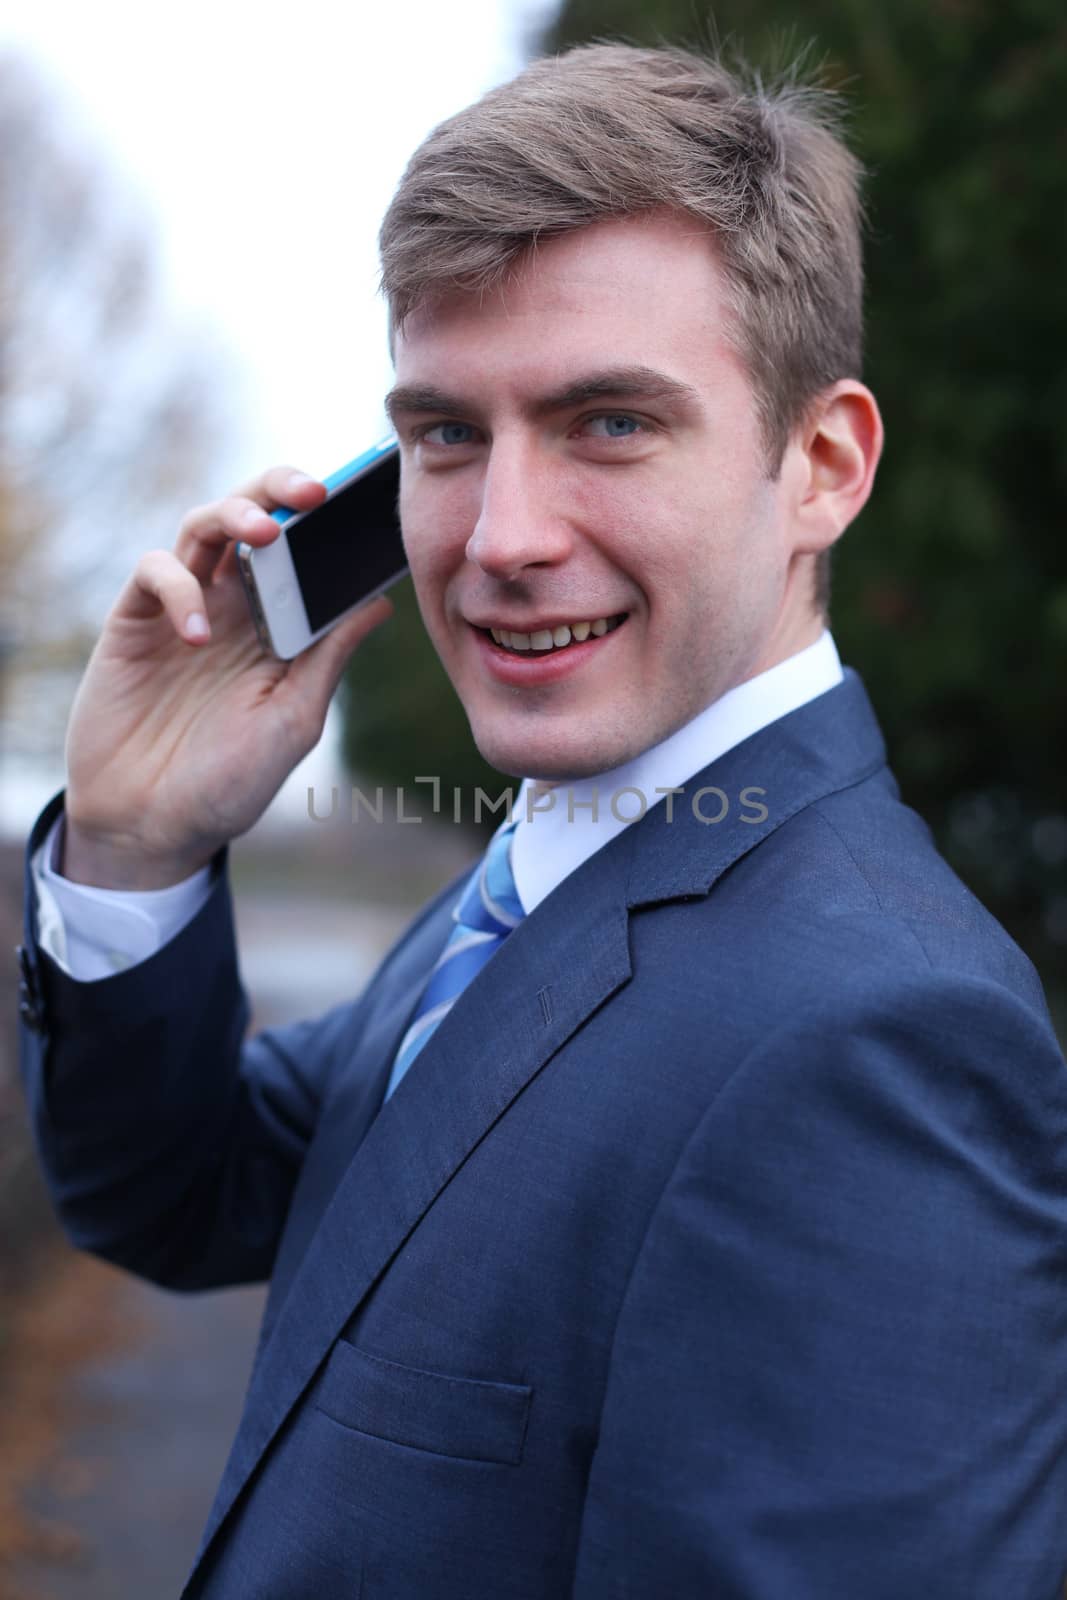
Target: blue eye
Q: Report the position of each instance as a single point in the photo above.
(618, 426)
(450, 432)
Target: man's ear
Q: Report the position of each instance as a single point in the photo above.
(833, 457)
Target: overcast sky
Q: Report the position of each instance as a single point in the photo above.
(266, 140)
(263, 142)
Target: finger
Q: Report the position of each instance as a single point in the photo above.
(276, 487)
(313, 676)
(208, 532)
(161, 585)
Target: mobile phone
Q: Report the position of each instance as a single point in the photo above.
(328, 560)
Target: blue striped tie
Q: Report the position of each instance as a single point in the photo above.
(486, 912)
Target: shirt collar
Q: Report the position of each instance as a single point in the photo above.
(560, 828)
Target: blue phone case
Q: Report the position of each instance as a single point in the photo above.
(369, 458)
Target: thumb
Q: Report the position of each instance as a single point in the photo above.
(313, 677)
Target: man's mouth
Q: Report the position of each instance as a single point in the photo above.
(543, 641)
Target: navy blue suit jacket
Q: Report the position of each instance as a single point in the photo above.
(715, 1248)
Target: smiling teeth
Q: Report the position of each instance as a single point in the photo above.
(554, 638)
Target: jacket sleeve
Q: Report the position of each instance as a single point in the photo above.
(840, 1368)
(170, 1143)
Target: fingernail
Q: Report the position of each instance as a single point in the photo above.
(298, 480)
(196, 625)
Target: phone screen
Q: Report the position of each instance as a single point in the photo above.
(350, 545)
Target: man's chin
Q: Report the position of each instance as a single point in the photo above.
(552, 759)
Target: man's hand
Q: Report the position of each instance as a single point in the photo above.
(180, 736)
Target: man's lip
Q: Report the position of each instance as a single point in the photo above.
(541, 625)
(540, 669)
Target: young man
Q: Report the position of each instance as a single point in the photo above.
(707, 1236)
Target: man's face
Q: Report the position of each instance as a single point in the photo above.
(580, 452)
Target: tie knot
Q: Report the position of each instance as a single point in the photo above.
(490, 902)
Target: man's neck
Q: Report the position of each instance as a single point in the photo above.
(563, 822)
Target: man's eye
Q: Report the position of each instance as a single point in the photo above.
(615, 425)
(449, 433)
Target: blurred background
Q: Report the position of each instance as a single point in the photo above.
(189, 203)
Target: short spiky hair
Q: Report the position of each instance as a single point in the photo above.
(611, 130)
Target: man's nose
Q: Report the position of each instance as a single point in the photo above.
(520, 523)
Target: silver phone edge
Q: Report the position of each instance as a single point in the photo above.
(251, 589)
(255, 605)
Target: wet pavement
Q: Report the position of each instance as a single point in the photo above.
(127, 1495)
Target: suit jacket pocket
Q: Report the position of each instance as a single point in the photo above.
(463, 1417)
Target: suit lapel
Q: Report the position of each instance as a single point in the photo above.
(550, 974)
(558, 966)
(828, 744)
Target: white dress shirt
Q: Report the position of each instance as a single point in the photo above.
(93, 933)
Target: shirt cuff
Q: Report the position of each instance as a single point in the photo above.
(93, 933)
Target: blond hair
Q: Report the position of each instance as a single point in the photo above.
(611, 130)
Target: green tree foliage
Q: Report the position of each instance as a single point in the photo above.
(403, 720)
(950, 591)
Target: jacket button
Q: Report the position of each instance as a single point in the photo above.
(31, 1009)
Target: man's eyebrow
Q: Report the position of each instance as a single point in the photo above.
(415, 399)
(615, 383)
(618, 383)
